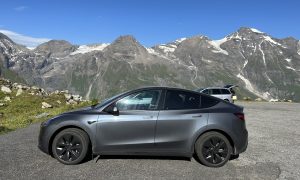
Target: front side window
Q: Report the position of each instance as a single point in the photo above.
(143, 100)
(176, 100)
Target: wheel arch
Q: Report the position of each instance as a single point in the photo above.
(63, 128)
(215, 130)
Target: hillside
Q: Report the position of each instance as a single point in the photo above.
(21, 105)
(263, 66)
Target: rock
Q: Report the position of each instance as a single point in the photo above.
(68, 96)
(71, 101)
(35, 88)
(7, 98)
(5, 89)
(289, 100)
(31, 93)
(46, 105)
(58, 101)
(2, 104)
(77, 98)
(19, 92)
(41, 115)
(258, 99)
(274, 100)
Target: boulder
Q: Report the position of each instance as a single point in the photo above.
(7, 98)
(68, 96)
(5, 89)
(2, 104)
(41, 115)
(77, 98)
(19, 92)
(46, 105)
(71, 102)
(258, 99)
(58, 101)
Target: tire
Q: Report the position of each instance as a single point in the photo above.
(213, 149)
(70, 146)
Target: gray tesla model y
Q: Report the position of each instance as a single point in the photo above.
(159, 121)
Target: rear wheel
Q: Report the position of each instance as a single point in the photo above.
(213, 149)
(70, 146)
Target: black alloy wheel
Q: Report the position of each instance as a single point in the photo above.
(70, 146)
(213, 149)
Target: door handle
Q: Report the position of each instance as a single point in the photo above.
(195, 116)
(147, 117)
(91, 122)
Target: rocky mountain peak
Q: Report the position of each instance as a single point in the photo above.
(126, 45)
(56, 47)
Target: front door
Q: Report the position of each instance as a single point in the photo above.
(133, 129)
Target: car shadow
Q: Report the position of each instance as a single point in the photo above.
(142, 157)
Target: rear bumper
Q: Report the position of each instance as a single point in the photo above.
(242, 143)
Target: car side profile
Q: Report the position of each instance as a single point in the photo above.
(222, 93)
(158, 121)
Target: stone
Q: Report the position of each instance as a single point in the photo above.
(2, 104)
(71, 101)
(19, 92)
(258, 99)
(77, 97)
(46, 105)
(7, 98)
(58, 101)
(41, 115)
(68, 96)
(5, 89)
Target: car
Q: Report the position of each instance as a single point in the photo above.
(219, 92)
(157, 121)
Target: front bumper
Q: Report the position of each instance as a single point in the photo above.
(43, 142)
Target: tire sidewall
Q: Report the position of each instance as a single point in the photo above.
(199, 145)
(83, 139)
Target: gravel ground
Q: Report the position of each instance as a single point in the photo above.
(273, 153)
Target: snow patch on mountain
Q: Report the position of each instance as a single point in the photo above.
(288, 67)
(216, 45)
(288, 60)
(180, 40)
(167, 49)
(256, 31)
(271, 41)
(89, 48)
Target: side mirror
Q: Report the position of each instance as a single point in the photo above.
(112, 109)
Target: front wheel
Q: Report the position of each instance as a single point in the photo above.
(213, 149)
(70, 146)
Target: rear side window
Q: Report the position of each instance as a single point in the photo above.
(176, 100)
(225, 91)
(207, 101)
(216, 91)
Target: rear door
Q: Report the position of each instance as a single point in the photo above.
(178, 121)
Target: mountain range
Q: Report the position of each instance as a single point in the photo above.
(261, 65)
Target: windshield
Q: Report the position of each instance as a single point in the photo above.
(107, 101)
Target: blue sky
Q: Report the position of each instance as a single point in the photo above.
(151, 22)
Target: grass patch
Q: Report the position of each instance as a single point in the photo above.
(22, 110)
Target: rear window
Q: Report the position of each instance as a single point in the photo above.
(176, 100)
(225, 91)
(207, 101)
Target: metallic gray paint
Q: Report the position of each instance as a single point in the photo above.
(159, 132)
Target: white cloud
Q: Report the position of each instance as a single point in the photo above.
(24, 40)
(20, 8)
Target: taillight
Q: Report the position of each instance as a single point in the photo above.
(241, 116)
